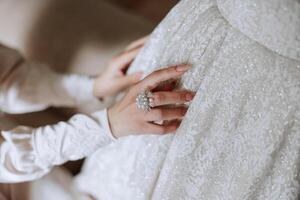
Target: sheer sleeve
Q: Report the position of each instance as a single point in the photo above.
(27, 154)
(27, 87)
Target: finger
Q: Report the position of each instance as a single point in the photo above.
(169, 127)
(166, 86)
(138, 43)
(162, 114)
(129, 80)
(167, 98)
(123, 61)
(155, 78)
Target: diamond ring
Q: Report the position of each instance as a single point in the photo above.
(144, 100)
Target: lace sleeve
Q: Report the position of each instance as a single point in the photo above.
(28, 87)
(27, 154)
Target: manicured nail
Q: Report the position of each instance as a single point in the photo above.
(189, 96)
(183, 68)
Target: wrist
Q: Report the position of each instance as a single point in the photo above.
(102, 118)
(111, 123)
(79, 87)
(97, 88)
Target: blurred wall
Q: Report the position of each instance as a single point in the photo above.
(69, 35)
(154, 10)
(74, 35)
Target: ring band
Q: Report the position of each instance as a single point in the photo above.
(144, 100)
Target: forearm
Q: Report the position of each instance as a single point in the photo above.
(28, 154)
(27, 87)
(33, 87)
(75, 139)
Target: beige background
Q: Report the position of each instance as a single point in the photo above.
(73, 36)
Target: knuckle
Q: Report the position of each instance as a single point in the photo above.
(158, 97)
(182, 96)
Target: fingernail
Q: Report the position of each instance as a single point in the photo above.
(189, 96)
(183, 68)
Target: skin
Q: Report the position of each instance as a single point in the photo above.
(141, 122)
(114, 78)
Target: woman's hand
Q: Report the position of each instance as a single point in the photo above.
(126, 119)
(114, 78)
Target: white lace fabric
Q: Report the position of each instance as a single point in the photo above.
(241, 136)
(28, 154)
(274, 24)
(27, 87)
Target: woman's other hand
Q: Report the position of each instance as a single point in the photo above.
(126, 119)
(114, 78)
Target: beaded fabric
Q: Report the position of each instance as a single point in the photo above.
(240, 139)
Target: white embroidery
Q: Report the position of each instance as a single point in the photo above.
(241, 136)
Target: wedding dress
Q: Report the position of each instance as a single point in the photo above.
(241, 136)
(27, 154)
(28, 87)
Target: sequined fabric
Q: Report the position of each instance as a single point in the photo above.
(240, 139)
(273, 23)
